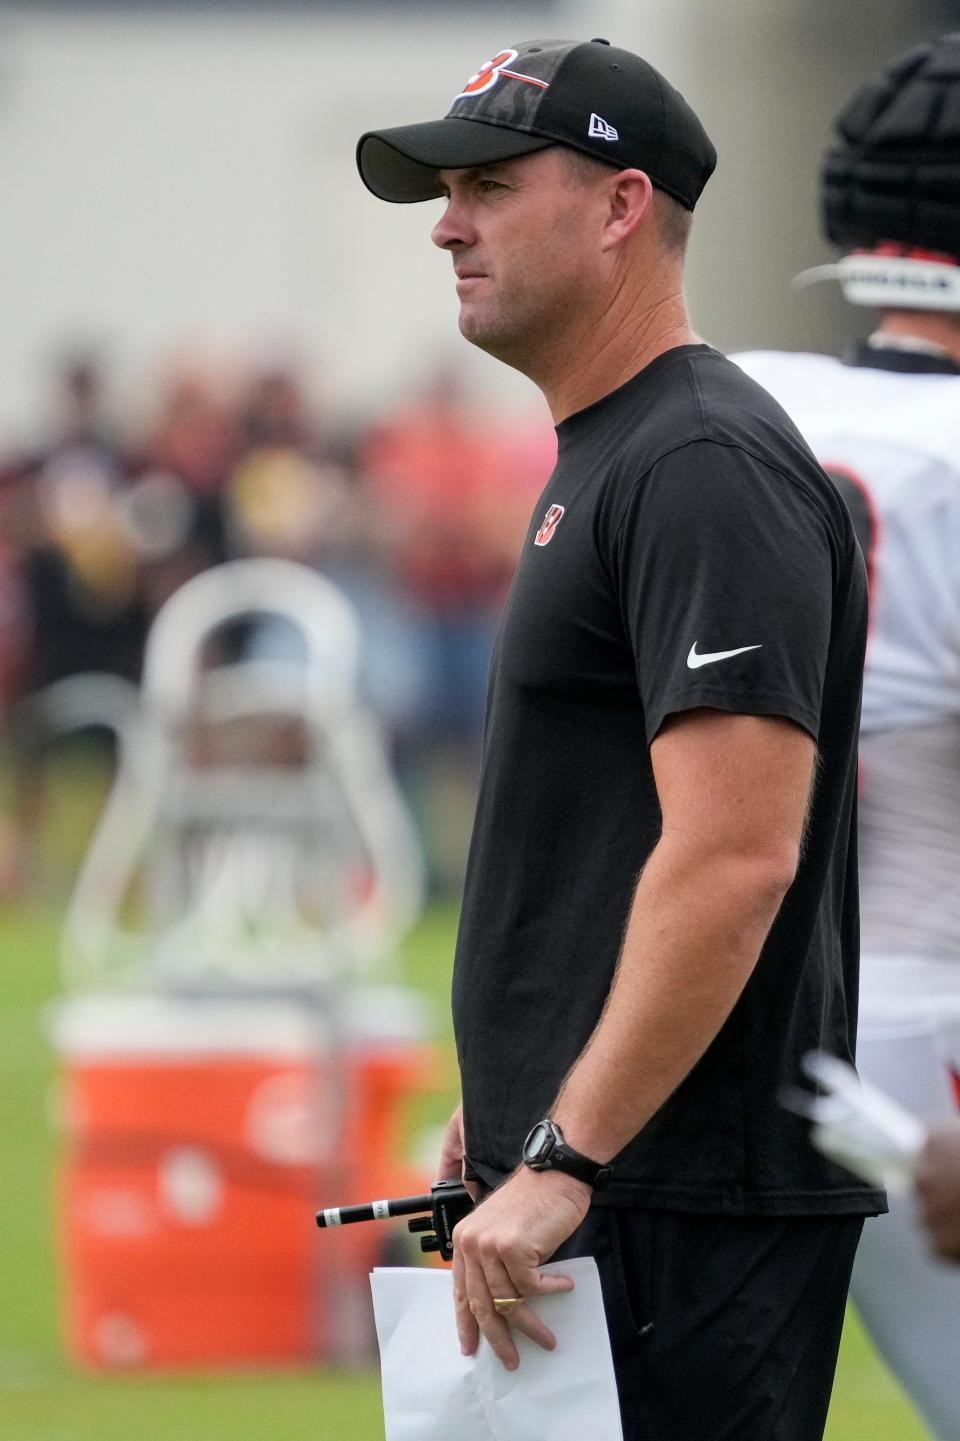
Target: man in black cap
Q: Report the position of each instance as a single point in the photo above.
(885, 422)
(674, 697)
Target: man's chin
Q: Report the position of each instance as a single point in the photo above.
(471, 323)
(483, 332)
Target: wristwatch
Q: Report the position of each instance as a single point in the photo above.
(546, 1150)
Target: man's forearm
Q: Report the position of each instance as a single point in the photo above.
(696, 928)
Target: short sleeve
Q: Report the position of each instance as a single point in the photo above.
(725, 572)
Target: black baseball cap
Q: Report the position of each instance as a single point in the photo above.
(588, 95)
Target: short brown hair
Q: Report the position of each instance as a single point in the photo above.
(585, 167)
(673, 220)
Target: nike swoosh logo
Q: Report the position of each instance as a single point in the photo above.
(694, 661)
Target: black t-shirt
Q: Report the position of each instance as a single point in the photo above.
(687, 551)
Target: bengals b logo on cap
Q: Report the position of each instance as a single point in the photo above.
(491, 71)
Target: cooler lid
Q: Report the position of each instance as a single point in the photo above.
(110, 1025)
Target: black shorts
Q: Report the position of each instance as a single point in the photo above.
(723, 1328)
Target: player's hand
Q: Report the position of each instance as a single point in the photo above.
(498, 1252)
(937, 1181)
(452, 1153)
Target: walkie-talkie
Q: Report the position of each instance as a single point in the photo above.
(447, 1203)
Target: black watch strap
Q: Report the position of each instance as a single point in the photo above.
(546, 1150)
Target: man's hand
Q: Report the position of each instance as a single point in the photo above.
(452, 1153)
(498, 1252)
(938, 1190)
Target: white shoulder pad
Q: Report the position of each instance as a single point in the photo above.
(830, 401)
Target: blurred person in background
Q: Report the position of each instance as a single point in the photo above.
(294, 493)
(182, 463)
(885, 423)
(14, 663)
(447, 490)
(80, 566)
(73, 582)
(438, 495)
(14, 604)
(287, 494)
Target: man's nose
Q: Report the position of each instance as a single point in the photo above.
(453, 227)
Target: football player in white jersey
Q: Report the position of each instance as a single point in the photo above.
(886, 424)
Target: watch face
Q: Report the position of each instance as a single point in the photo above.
(539, 1143)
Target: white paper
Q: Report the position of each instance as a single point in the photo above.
(860, 1126)
(432, 1393)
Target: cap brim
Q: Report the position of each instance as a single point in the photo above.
(403, 164)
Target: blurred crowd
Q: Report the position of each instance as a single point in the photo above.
(417, 513)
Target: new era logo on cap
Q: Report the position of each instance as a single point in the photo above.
(601, 129)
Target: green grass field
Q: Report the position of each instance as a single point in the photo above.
(43, 1399)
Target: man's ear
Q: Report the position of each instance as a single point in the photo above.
(631, 202)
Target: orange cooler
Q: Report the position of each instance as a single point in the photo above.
(200, 1137)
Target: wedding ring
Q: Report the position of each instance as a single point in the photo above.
(507, 1301)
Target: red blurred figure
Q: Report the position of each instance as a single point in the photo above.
(447, 499)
